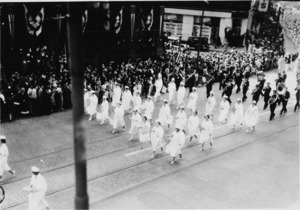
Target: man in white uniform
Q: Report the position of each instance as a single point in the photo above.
(103, 115)
(194, 125)
(36, 191)
(251, 116)
(172, 91)
(181, 119)
(175, 145)
(210, 104)
(206, 132)
(126, 99)
(224, 109)
(180, 95)
(118, 119)
(3, 158)
(165, 116)
(192, 104)
(136, 124)
(92, 109)
(158, 87)
(116, 95)
(237, 115)
(137, 101)
(156, 136)
(148, 105)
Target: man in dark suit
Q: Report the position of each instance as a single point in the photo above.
(245, 88)
(267, 91)
(284, 99)
(256, 93)
(297, 105)
(273, 103)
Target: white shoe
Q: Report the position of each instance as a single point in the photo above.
(172, 162)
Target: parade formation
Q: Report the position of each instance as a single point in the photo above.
(155, 101)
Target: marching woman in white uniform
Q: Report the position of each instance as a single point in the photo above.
(172, 91)
(3, 158)
(145, 131)
(193, 100)
(158, 87)
(103, 115)
(136, 123)
(157, 134)
(194, 125)
(126, 99)
(237, 115)
(177, 140)
(148, 105)
(87, 101)
(181, 119)
(165, 116)
(92, 108)
(210, 104)
(137, 101)
(206, 132)
(224, 109)
(180, 95)
(281, 64)
(118, 119)
(116, 95)
(251, 116)
(36, 191)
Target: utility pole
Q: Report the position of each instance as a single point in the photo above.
(75, 49)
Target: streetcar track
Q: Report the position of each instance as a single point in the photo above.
(149, 160)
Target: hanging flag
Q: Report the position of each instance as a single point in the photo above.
(84, 20)
(34, 22)
(132, 18)
(118, 21)
(147, 19)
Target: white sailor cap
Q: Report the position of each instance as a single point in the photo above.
(2, 137)
(35, 169)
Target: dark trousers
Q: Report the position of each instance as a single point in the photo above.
(244, 94)
(284, 104)
(297, 105)
(272, 110)
(208, 90)
(238, 88)
(266, 99)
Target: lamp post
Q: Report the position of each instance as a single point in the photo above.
(74, 39)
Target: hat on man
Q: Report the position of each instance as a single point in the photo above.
(149, 97)
(2, 137)
(181, 83)
(126, 87)
(35, 169)
(165, 100)
(254, 102)
(104, 97)
(225, 96)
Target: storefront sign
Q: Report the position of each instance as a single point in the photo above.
(174, 28)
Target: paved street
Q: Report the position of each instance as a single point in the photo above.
(256, 170)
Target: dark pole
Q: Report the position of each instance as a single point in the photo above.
(200, 34)
(74, 36)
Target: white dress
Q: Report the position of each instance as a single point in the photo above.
(157, 134)
(116, 95)
(176, 143)
(171, 90)
(3, 159)
(193, 101)
(118, 119)
(210, 104)
(281, 65)
(251, 115)
(136, 123)
(103, 115)
(180, 95)
(149, 107)
(92, 108)
(87, 101)
(158, 87)
(145, 132)
(206, 133)
(126, 100)
(237, 116)
(194, 125)
(224, 109)
(181, 119)
(37, 192)
(165, 116)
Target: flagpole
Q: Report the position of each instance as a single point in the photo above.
(74, 39)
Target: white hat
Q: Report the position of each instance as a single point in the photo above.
(92, 91)
(181, 83)
(254, 101)
(239, 99)
(2, 137)
(150, 97)
(165, 100)
(126, 87)
(181, 107)
(225, 96)
(104, 97)
(35, 169)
